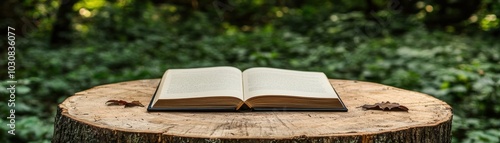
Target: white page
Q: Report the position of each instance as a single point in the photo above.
(202, 82)
(270, 81)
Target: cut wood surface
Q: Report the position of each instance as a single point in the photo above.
(84, 117)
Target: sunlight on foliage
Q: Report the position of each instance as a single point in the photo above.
(489, 22)
(89, 4)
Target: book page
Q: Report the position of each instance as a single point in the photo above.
(202, 82)
(270, 81)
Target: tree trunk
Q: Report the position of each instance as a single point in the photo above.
(84, 117)
(62, 25)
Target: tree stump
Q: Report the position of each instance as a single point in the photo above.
(84, 117)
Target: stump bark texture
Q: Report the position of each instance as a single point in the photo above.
(84, 117)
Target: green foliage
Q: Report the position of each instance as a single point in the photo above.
(129, 40)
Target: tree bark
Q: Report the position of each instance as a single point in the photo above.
(84, 117)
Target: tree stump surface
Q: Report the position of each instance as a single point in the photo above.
(84, 117)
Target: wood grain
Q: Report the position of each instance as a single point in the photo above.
(84, 117)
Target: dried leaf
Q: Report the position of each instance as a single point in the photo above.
(122, 102)
(134, 103)
(386, 106)
(116, 102)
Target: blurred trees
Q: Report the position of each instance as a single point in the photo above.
(62, 22)
(457, 16)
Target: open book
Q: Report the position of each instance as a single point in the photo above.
(228, 88)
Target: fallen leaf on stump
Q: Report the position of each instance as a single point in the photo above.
(385, 106)
(122, 102)
(134, 103)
